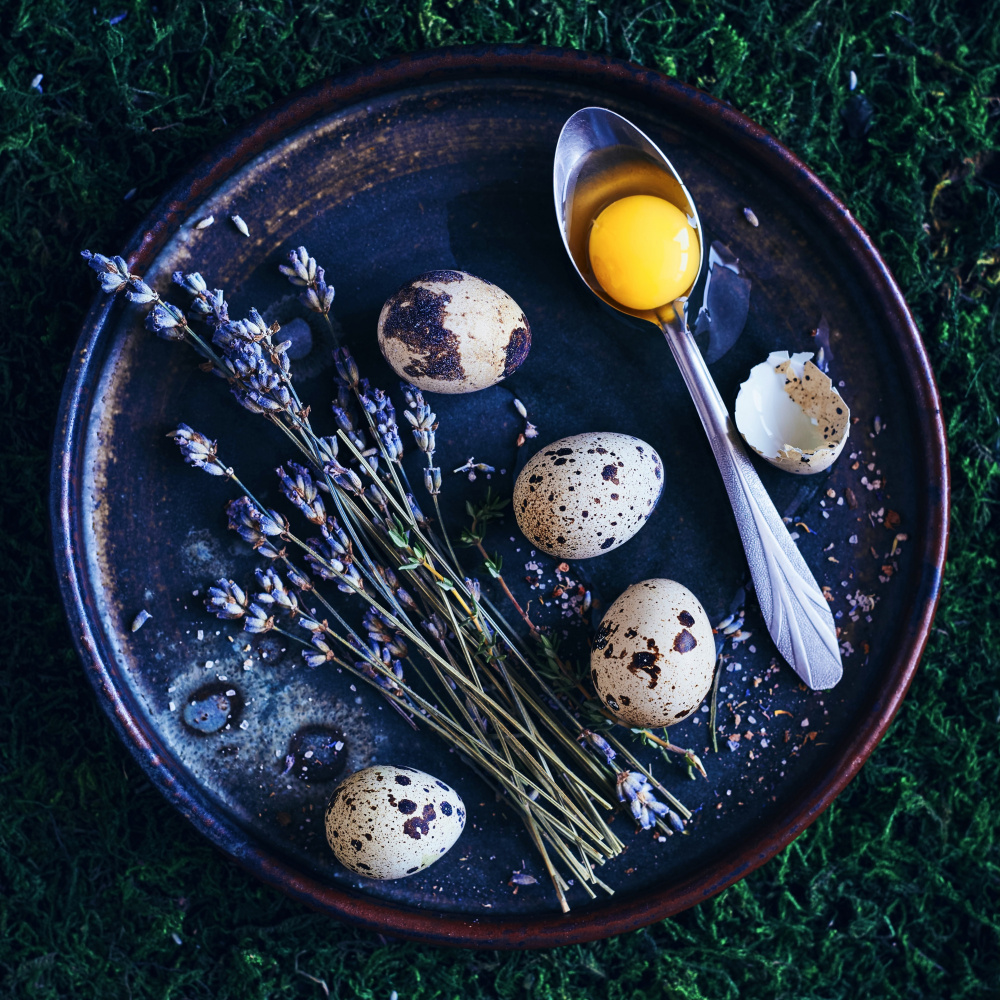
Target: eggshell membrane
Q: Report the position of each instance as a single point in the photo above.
(654, 654)
(587, 494)
(451, 332)
(389, 822)
(827, 418)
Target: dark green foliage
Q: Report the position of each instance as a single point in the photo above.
(892, 893)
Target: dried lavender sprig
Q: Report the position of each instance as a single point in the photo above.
(227, 600)
(163, 319)
(302, 492)
(324, 654)
(304, 272)
(198, 450)
(273, 591)
(171, 324)
(210, 306)
(634, 787)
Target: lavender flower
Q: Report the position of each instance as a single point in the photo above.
(381, 655)
(297, 578)
(346, 479)
(432, 480)
(347, 367)
(331, 557)
(377, 498)
(257, 620)
(253, 525)
(302, 492)
(327, 447)
(418, 514)
(140, 293)
(384, 632)
(198, 450)
(675, 821)
(208, 305)
(345, 421)
(273, 591)
(227, 600)
(256, 384)
(113, 271)
(598, 742)
(383, 415)
(319, 296)
(421, 417)
(320, 654)
(435, 628)
(304, 272)
(193, 282)
(166, 321)
(635, 787)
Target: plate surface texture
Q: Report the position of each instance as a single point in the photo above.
(444, 161)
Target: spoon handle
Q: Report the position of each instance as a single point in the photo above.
(797, 615)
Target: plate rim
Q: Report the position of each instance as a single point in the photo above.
(325, 98)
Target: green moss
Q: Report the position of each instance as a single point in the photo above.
(892, 893)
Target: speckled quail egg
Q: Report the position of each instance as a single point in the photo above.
(448, 331)
(654, 654)
(587, 494)
(789, 412)
(390, 822)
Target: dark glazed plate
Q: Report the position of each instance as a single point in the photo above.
(444, 160)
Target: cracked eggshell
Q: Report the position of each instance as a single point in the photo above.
(789, 412)
(587, 494)
(448, 331)
(654, 654)
(389, 822)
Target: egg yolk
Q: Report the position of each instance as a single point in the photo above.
(644, 252)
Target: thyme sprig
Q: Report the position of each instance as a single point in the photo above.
(430, 643)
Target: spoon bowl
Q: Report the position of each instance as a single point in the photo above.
(600, 158)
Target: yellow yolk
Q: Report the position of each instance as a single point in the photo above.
(644, 252)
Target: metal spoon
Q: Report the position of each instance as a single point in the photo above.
(601, 157)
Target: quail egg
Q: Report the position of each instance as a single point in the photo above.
(448, 331)
(389, 822)
(654, 654)
(789, 412)
(587, 494)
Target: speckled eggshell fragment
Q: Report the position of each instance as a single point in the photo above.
(389, 822)
(789, 412)
(448, 331)
(587, 494)
(654, 654)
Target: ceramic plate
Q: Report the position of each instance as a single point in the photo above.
(444, 160)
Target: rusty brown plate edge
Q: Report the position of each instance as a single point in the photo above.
(634, 82)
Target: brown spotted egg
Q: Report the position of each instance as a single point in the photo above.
(587, 494)
(390, 822)
(448, 331)
(654, 654)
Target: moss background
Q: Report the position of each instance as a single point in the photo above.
(893, 893)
